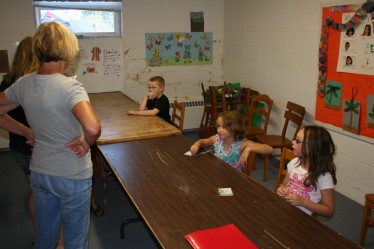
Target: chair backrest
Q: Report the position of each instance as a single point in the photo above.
(286, 156)
(206, 95)
(261, 105)
(178, 115)
(246, 98)
(223, 102)
(294, 113)
(216, 102)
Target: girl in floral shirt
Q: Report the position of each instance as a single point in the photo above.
(229, 143)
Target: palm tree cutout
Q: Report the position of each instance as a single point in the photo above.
(371, 115)
(351, 106)
(332, 90)
(370, 123)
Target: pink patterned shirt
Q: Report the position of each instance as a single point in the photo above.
(295, 183)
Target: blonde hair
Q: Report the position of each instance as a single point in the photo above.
(24, 62)
(54, 42)
(159, 79)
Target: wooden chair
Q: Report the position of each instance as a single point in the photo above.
(244, 105)
(261, 106)
(232, 96)
(206, 119)
(286, 156)
(293, 114)
(214, 106)
(251, 162)
(178, 115)
(367, 219)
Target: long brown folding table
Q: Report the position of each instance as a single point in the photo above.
(117, 126)
(176, 194)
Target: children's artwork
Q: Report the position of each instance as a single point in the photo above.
(356, 53)
(333, 94)
(179, 49)
(351, 113)
(370, 111)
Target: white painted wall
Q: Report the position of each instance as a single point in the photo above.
(272, 46)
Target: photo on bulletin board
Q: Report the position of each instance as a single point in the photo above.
(356, 54)
(179, 49)
(333, 94)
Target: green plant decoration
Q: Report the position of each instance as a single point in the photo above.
(332, 91)
(371, 115)
(351, 106)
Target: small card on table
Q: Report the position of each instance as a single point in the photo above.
(225, 192)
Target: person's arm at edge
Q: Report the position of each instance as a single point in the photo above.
(152, 112)
(91, 126)
(256, 147)
(9, 124)
(202, 143)
(249, 146)
(143, 109)
(143, 104)
(324, 208)
(90, 123)
(282, 190)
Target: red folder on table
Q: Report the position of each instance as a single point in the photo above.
(225, 237)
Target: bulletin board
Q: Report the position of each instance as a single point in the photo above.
(179, 49)
(347, 96)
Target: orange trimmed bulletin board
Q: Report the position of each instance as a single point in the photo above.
(350, 84)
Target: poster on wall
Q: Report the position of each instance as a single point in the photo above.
(99, 65)
(356, 53)
(179, 49)
(97, 60)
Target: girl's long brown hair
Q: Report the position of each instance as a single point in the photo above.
(318, 152)
(24, 62)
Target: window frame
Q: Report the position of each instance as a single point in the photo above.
(111, 6)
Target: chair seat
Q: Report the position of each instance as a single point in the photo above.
(294, 114)
(275, 141)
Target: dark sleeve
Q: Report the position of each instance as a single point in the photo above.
(3, 86)
(163, 106)
(17, 142)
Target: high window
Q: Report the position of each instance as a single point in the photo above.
(86, 19)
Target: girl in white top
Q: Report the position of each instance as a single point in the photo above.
(310, 181)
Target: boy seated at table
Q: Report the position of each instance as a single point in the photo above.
(154, 102)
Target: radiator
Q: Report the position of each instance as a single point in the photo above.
(193, 114)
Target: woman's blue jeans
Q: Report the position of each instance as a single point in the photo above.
(60, 200)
